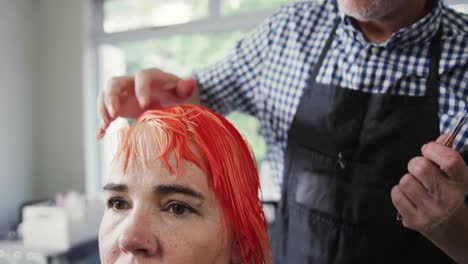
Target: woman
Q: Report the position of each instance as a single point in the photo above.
(183, 188)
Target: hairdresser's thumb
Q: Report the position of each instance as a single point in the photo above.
(442, 138)
(185, 88)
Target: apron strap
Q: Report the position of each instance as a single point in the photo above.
(325, 49)
(432, 83)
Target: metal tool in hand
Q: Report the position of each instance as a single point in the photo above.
(448, 141)
(456, 129)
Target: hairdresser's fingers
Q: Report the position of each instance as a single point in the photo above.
(426, 172)
(117, 93)
(438, 186)
(174, 93)
(401, 202)
(156, 88)
(448, 160)
(145, 80)
(104, 118)
(441, 139)
(185, 88)
(427, 206)
(103, 115)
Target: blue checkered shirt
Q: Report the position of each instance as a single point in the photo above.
(268, 71)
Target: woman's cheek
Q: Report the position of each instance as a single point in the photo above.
(108, 239)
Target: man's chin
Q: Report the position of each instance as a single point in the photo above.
(375, 10)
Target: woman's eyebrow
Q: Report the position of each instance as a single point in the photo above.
(176, 188)
(115, 187)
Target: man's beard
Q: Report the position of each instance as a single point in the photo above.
(374, 10)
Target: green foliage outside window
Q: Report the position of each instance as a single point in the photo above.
(180, 54)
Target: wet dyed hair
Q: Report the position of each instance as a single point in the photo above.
(225, 158)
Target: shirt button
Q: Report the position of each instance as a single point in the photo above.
(374, 50)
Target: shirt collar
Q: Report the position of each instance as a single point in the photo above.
(420, 32)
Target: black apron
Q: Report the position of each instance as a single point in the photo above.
(346, 150)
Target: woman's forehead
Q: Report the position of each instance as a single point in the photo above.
(145, 144)
(157, 173)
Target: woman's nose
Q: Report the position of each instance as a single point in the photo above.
(137, 239)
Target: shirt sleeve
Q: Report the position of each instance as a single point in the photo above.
(232, 84)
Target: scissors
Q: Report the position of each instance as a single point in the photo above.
(448, 141)
(454, 131)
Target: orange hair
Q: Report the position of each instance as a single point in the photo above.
(225, 158)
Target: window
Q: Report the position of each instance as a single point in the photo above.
(176, 36)
(461, 6)
(233, 7)
(123, 15)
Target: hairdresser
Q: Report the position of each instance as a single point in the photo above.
(351, 96)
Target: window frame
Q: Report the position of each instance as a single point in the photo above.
(212, 24)
(456, 2)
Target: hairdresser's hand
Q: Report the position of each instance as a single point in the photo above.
(129, 96)
(433, 190)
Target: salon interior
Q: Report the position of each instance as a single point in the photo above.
(56, 57)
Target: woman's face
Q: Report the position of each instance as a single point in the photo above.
(153, 216)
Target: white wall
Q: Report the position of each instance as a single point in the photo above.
(41, 101)
(16, 81)
(42, 48)
(58, 96)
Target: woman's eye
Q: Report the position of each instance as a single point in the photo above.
(117, 204)
(180, 209)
